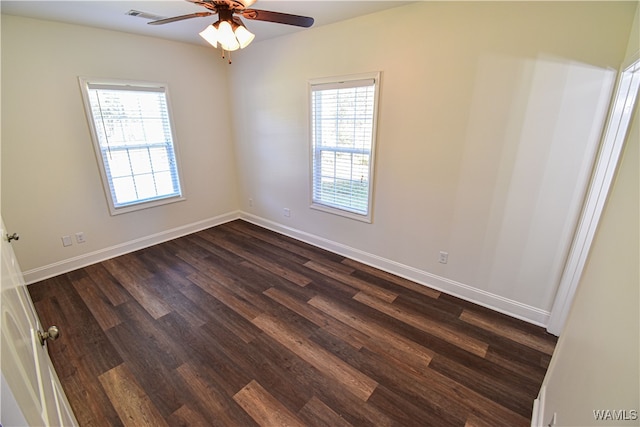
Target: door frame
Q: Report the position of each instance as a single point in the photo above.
(614, 137)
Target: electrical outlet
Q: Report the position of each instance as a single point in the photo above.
(250, 203)
(80, 237)
(287, 212)
(66, 241)
(444, 257)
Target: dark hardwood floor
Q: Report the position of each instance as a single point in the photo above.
(240, 326)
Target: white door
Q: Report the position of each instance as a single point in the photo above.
(26, 366)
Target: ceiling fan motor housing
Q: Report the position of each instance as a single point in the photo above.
(222, 4)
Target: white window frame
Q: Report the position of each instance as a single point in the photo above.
(102, 152)
(349, 81)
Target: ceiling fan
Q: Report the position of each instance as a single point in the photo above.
(229, 32)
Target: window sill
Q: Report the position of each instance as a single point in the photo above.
(343, 213)
(145, 205)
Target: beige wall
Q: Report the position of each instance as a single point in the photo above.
(489, 117)
(50, 181)
(596, 364)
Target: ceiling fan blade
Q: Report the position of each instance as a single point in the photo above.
(180, 18)
(279, 17)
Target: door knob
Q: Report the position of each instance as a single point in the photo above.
(51, 334)
(13, 236)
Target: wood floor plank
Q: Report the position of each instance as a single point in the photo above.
(292, 246)
(180, 303)
(206, 243)
(310, 381)
(535, 374)
(436, 329)
(95, 300)
(186, 244)
(405, 412)
(89, 402)
(273, 252)
(200, 264)
(480, 382)
(220, 408)
(107, 284)
(434, 308)
(158, 258)
(542, 344)
(357, 383)
(270, 279)
(354, 282)
(228, 373)
(488, 409)
(405, 390)
(402, 350)
(185, 416)
(238, 325)
(264, 408)
(405, 283)
(131, 402)
(139, 287)
(317, 413)
(237, 304)
(475, 421)
(263, 262)
(352, 336)
(143, 341)
(147, 349)
(239, 280)
(251, 360)
(399, 389)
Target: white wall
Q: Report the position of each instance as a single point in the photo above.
(596, 363)
(50, 181)
(490, 116)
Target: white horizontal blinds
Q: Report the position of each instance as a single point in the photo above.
(342, 135)
(134, 134)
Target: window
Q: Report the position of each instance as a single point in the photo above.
(133, 139)
(343, 128)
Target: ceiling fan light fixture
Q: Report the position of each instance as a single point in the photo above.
(229, 32)
(210, 34)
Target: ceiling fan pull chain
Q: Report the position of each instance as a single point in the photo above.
(227, 52)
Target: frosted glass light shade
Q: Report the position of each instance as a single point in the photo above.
(244, 36)
(226, 38)
(210, 34)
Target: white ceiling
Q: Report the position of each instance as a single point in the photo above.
(112, 15)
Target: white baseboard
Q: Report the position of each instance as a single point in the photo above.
(469, 293)
(67, 265)
(537, 416)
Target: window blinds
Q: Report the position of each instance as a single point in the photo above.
(135, 141)
(342, 126)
